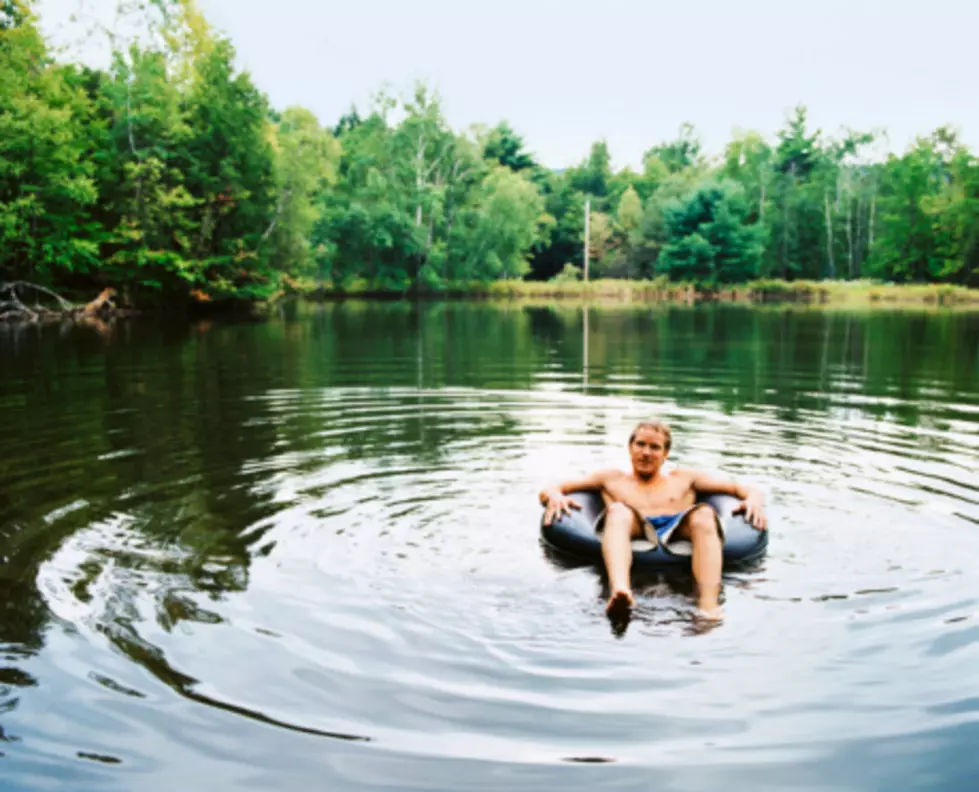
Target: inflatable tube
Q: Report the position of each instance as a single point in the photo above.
(575, 535)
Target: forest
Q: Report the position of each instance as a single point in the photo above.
(171, 178)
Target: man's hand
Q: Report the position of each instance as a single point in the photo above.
(558, 506)
(753, 508)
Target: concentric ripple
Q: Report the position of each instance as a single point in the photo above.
(307, 551)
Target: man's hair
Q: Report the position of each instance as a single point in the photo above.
(656, 426)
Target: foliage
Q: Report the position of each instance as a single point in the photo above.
(708, 240)
(170, 176)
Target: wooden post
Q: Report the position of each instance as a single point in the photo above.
(587, 218)
(584, 344)
(849, 222)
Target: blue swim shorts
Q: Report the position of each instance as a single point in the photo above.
(665, 524)
(659, 530)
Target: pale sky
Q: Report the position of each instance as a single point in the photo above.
(565, 73)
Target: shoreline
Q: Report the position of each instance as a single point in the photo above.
(767, 292)
(761, 294)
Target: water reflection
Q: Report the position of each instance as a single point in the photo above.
(323, 527)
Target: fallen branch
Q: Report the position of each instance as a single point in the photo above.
(15, 309)
(13, 286)
(12, 307)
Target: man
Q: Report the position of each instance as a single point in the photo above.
(662, 506)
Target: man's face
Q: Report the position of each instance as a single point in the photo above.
(648, 452)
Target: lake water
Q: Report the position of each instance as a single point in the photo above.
(304, 553)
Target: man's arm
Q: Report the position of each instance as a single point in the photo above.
(752, 498)
(557, 505)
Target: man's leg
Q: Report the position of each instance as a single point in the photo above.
(700, 527)
(621, 527)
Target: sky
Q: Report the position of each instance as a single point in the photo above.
(565, 73)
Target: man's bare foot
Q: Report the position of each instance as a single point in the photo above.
(712, 612)
(619, 603)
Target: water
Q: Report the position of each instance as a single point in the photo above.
(304, 552)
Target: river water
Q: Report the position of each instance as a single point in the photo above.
(304, 552)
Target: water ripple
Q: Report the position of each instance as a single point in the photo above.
(348, 573)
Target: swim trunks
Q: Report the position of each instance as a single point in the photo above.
(659, 530)
(664, 524)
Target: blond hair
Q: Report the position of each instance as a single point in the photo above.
(656, 426)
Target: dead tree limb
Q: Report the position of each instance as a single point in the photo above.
(12, 307)
(13, 287)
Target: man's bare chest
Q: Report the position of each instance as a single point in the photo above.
(666, 496)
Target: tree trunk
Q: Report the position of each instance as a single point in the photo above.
(419, 179)
(830, 263)
(870, 227)
(761, 200)
(849, 228)
(860, 232)
(785, 222)
(140, 203)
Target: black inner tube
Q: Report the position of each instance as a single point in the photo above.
(576, 534)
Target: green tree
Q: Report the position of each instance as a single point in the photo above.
(917, 193)
(630, 211)
(230, 170)
(47, 187)
(797, 226)
(564, 239)
(749, 160)
(365, 228)
(707, 238)
(506, 147)
(593, 177)
(680, 154)
(955, 219)
(306, 157)
(147, 207)
(497, 227)
(13, 13)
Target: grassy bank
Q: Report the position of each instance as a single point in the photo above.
(662, 290)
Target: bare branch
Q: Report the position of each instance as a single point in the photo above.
(283, 199)
(13, 286)
(438, 159)
(17, 309)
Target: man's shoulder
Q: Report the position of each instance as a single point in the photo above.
(686, 474)
(611, 474)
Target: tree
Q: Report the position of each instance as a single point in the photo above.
(306, 157)
(506, 147)
(169, 175)
(594, 175)
(497, 226)
(630, 211)
(13, 13)
(955, 219)
(230, 170)
(797, 228)
(749, 160)
(680, 154)
(564, 239)
(366, 226)
(602, 240)
(707, 238)
(47, 187)
(926, 208)
(148, 210)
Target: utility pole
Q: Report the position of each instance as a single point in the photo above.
(587, 217)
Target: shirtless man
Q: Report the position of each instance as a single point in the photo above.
(648, 500)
